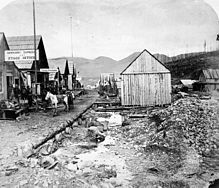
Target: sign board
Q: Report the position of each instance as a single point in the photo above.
(21, 55)
(49, 70)
(52, 73)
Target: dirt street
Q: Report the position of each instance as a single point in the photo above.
(154, 148)
(17, 136)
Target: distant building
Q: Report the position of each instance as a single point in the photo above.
(186, 84)
(145, 82)
(9, 73)
(72, 77)
(28, 67)
(209, 78)
(63, 70)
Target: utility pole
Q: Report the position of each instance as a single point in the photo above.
(71, 37)
(72, 52)
(35, 61)
(58, 79)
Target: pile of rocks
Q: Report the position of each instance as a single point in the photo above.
(188, 122)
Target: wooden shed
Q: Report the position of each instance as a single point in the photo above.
(210, 79)
(145, 82)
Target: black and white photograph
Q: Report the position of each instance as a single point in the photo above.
(109, 93)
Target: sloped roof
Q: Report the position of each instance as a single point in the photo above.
(24, 64)
(2, 37)
(211, 73)
(71, 65)
(150, 55)
(59, 63)
(23, 42)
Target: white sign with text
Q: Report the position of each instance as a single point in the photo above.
(21, 55)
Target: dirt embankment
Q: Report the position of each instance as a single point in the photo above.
(178, 145)
(175, 146)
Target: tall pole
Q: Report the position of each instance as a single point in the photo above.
(72, 51)
(35, 58)
(58, 79)
(71, 37)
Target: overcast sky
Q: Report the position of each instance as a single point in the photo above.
(213, 3)
(101, 28)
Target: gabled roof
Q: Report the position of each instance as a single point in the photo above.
(211, 73)
(71, 66)
(23, 42)
(60, 63)
(139, 56)
(2, 37)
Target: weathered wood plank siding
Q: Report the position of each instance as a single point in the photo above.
(146, 89)
(146, 82)
(3, 47)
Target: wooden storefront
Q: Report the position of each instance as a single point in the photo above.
(9, 73)
(63, 69)
(28, 67)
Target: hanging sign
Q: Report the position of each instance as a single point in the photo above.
(21, 55)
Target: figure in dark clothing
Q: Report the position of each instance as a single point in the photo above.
(23, 93)
(29, 96)
(17, 93)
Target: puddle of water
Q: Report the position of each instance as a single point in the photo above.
(114, 120)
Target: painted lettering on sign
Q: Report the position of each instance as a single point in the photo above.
(21, 55)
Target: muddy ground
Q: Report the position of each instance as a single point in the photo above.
(142, 148)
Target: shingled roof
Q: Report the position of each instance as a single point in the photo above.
(211, 73)
(23, 42)
(27, 43)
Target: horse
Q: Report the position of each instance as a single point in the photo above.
(55, 99)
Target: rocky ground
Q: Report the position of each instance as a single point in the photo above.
(175, 146)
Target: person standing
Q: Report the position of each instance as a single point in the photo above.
(17, 93)
(29, 96)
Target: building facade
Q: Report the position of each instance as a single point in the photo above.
(209, 78)
(9, 73)
(62, 69)
(28, 68)
(145, 82)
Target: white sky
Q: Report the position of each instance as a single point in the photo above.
(213, 3)
(109, 40)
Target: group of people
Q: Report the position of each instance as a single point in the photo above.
(23, 93)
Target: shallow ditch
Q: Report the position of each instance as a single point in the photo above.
(77, 152)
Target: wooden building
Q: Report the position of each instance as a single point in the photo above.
(63, 67)
(209, 78)
(72, 82)
(106, 78)
(145, 82)
(9, 73)
(28, 67)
